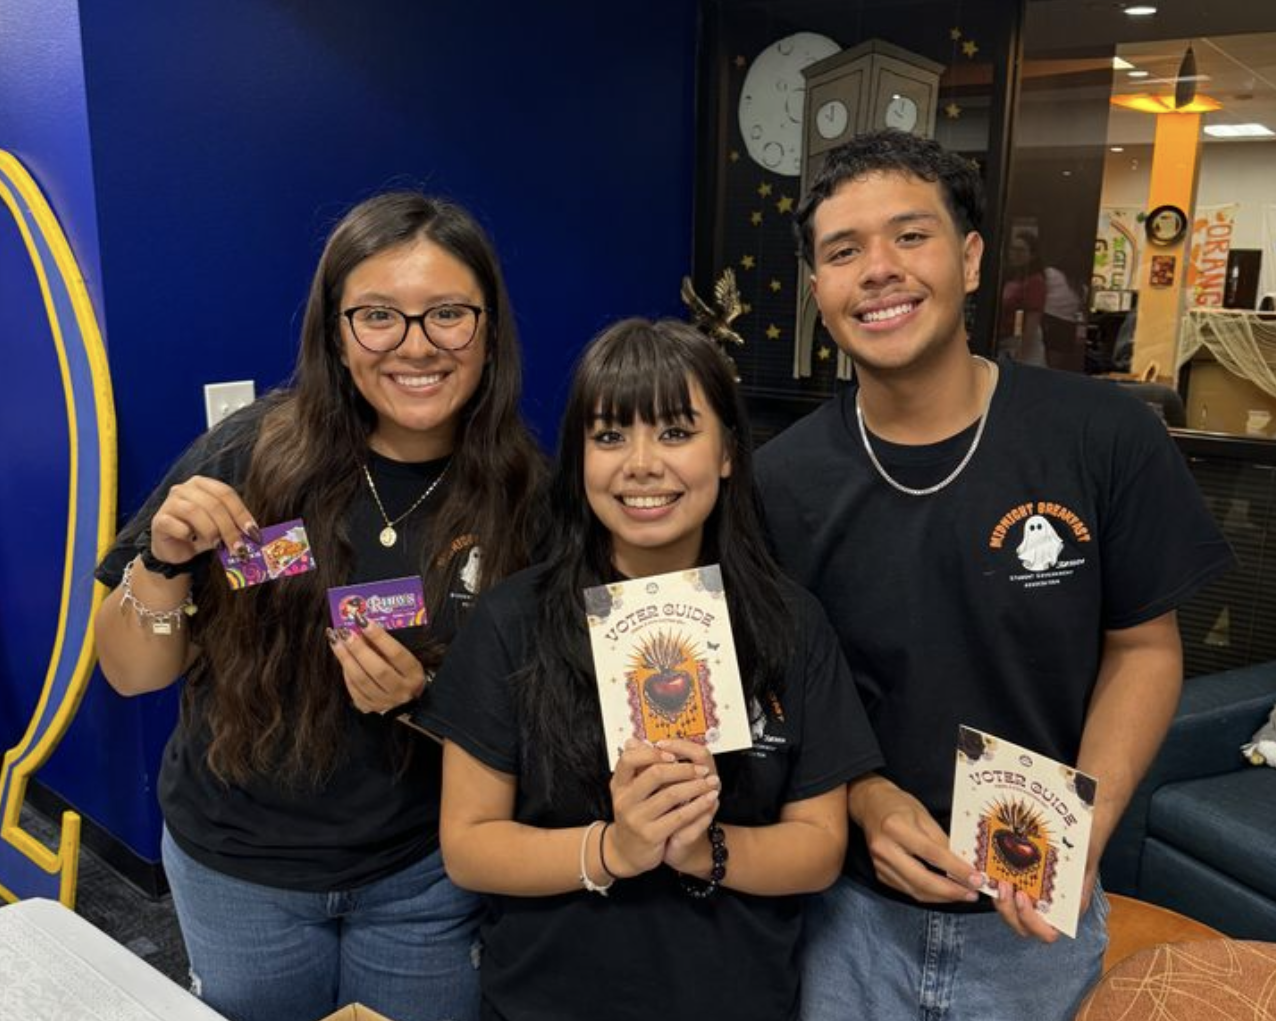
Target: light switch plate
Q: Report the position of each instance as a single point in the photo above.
(221, 399)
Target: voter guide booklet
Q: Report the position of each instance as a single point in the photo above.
(1025, 818)
(665, 661)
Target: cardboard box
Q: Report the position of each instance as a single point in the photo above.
(355, 1012)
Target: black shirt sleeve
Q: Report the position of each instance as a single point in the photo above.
(470, 701)
(1159, 542)
(222, 453)
(837, 742)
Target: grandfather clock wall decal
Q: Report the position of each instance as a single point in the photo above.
(870, 86)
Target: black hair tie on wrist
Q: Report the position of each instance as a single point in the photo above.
(698, 888)
(162, 567)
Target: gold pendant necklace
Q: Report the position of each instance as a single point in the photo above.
(388, 535)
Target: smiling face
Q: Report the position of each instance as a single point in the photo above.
(653, 486)
(417, 390)
(892, 271)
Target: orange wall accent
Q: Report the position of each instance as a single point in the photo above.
(1175, 160)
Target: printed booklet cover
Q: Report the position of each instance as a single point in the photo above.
(1024, 818)
(665, 661)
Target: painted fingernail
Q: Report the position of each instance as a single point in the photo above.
(976, 880)
(360, 618)
(347, 635)
(332, 636)
(240, 551)
(702, 770)
(714, 781)
(253, 532)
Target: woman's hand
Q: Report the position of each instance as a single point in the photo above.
(197, 515)
(380, 672)
(687, 848)
(653, 796)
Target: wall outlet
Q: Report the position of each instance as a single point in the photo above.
(221, 399)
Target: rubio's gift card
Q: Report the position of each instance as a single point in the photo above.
(284, 550)
(395, 603)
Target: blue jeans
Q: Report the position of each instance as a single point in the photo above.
(405, 945)
(869, 957)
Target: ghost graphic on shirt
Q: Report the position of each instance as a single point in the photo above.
(472, 570)
(1041, 545)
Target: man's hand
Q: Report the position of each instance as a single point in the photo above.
(904, 839)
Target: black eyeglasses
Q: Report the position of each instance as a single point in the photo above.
(381, 328)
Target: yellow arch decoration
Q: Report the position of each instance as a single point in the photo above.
(91, 496)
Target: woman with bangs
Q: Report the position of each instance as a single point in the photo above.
(702, 859)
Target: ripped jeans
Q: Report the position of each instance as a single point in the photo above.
(405, 945)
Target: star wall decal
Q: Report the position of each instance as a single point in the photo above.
(785, 205)
(747, 262)
(825, 352)
(775, 285)
(969, 48)
(954, 33)
(952, 111)
(773, 332)
(734, 155)
(755, 218)
(764, 189)
(745, 308)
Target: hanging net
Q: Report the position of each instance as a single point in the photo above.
(1241, 340)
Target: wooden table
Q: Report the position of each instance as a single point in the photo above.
(1135, 924)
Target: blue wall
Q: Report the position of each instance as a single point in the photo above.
(227, 137)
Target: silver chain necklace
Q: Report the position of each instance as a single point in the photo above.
(961, 465)
(388, 535)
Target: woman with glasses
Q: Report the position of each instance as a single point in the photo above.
(301, 837)
(702, 857)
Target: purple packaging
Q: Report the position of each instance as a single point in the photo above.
(284, 550)
(394, 603)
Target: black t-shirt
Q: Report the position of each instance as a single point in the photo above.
(370, 817)
(986, 603)
(648, 950)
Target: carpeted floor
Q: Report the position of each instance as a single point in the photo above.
(145, 925)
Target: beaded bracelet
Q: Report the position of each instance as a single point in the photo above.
(699, 888)
(585, 881)
(161, 622)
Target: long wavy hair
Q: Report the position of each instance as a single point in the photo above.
(274, 704)
(639, 369)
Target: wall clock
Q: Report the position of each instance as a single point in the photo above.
(1165, 226)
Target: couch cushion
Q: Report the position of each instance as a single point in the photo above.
(1228, 822)
(1185, 884)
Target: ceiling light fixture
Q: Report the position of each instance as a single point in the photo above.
(1139, 74)
(1118, 148)
(1146, 103)
(1239, 131)
(1140, 11)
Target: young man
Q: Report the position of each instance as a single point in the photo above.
(997, 545)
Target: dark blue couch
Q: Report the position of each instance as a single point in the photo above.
(1199, 836)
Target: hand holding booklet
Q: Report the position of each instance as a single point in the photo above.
(1024, 818)
(665, 661)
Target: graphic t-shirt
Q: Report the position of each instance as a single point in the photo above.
(373, 815)
(648, 950)
(986, 603)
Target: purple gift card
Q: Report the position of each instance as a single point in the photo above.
(284, 550)
(395, 603)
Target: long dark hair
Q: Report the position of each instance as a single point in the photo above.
(275, 704)
(639, 369)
